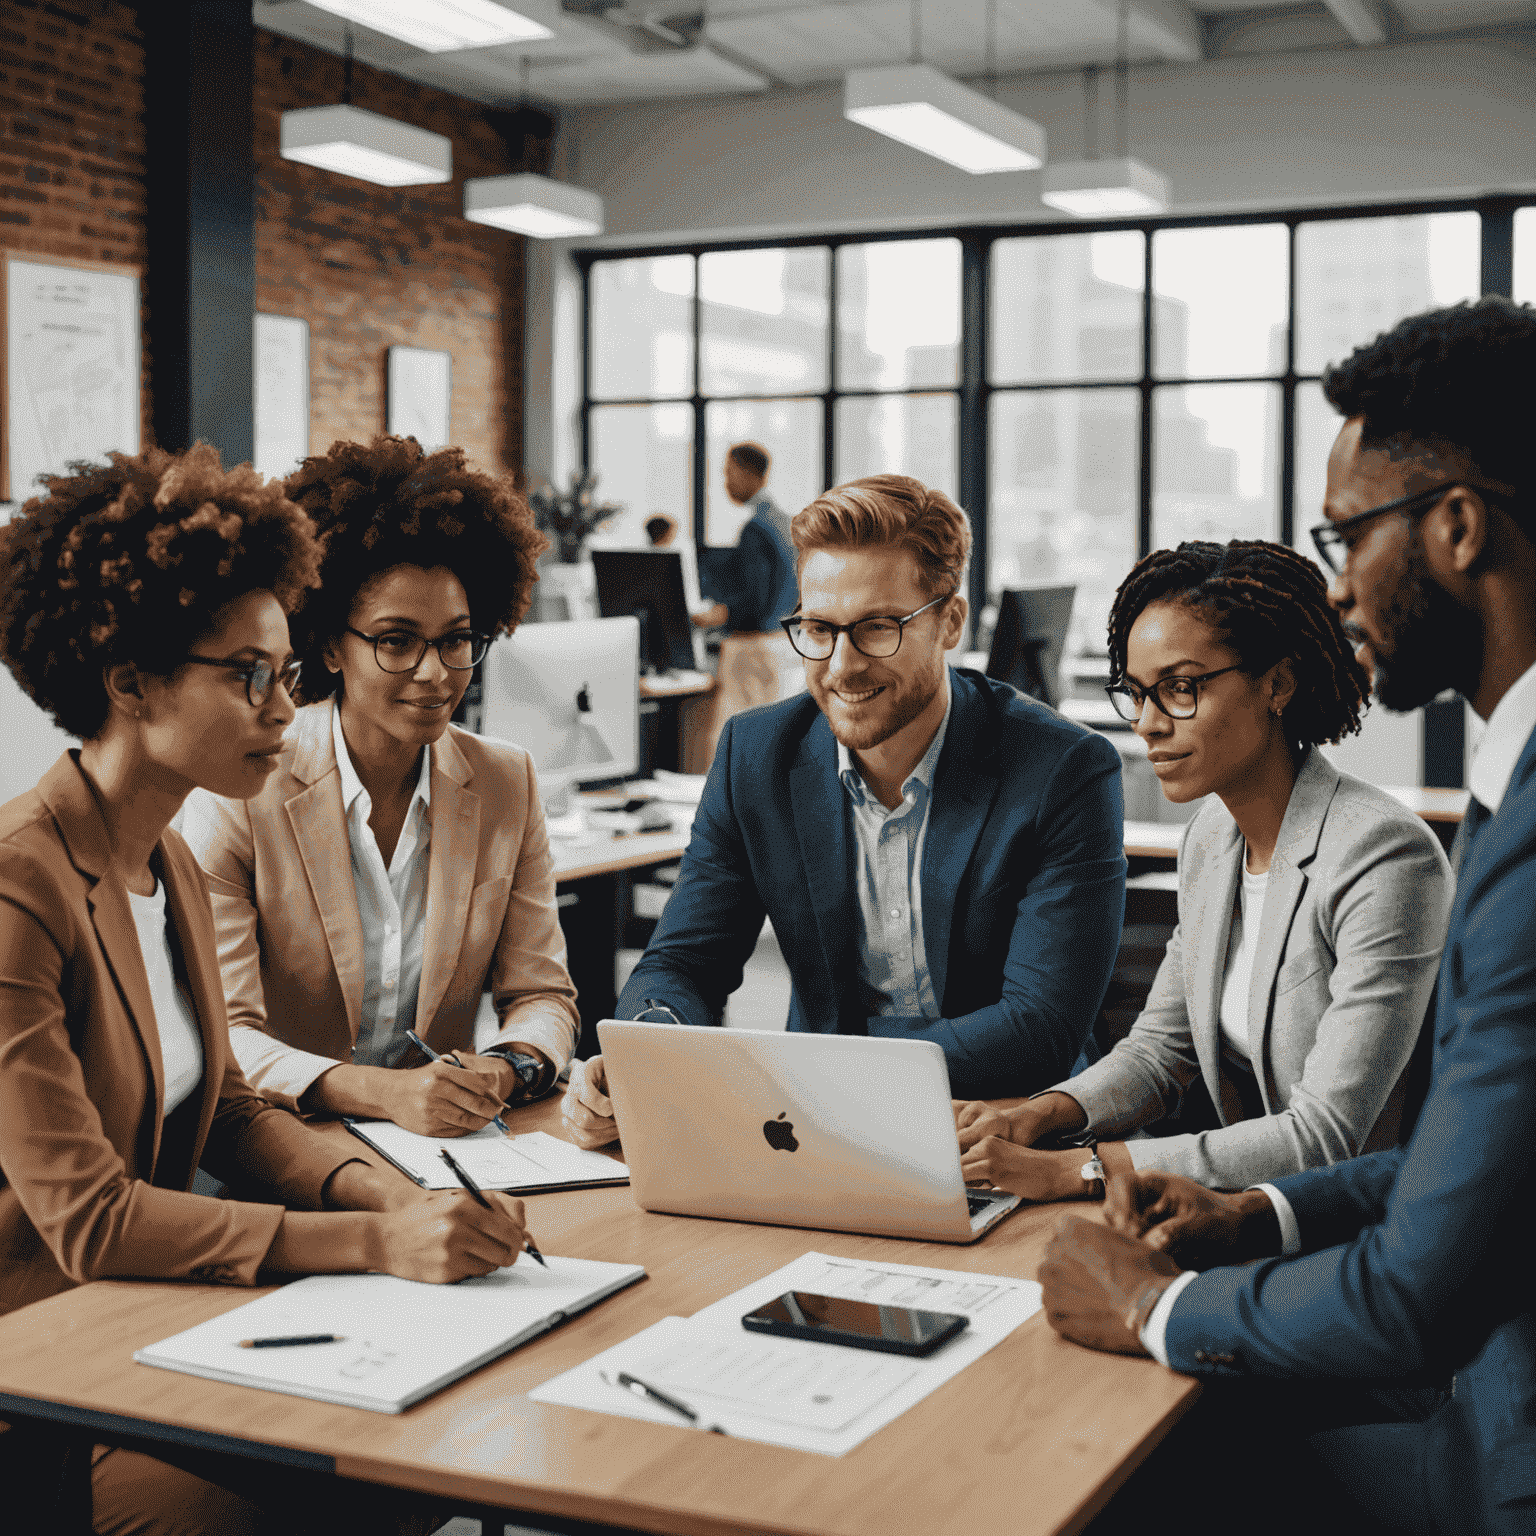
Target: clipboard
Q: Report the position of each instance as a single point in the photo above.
(530, 1164)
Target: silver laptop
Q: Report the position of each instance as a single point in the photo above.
(844, 1132)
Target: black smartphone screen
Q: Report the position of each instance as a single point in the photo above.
(863, 1324)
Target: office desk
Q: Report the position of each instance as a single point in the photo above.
(675, 721)
(1031, 1439)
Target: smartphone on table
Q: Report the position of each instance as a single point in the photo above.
(863, 1324)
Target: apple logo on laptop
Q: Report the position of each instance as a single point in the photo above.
(780, 1134)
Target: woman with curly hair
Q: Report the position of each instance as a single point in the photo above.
(395, 866)
(144, 606)
(1312, 906)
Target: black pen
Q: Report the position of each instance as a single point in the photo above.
(292, 1338)
(431, 1055)
(474, 1189)
(644, 1389)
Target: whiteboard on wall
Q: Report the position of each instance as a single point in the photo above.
(281, 394)
(72, 367)
(419, 395)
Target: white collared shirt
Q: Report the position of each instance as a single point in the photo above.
(181, 1042)
(392, 907)
(1493, 765)
(888, 883)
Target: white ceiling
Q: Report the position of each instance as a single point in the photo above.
(756, 45)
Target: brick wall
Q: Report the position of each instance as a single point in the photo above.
(374, 267)
(72, 135)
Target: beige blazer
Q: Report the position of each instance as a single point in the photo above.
(279, 869)
(93, 1180)
(1353, 922)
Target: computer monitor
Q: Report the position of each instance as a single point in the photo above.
(1028, 640)
(568, 693)
(647, 584)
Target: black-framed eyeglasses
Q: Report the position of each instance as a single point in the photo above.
(397, 650)
(259, 676)
(1177, 697)
(1334, 539)
(876, 637)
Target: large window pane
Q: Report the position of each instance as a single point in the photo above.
(764, 322)
(1356, 278)
(642, 327)
(1220, 299)
(1066, 307)
(1317, 424)
(1063, 479)
(915, 435)
(1215, 463)
(1525, 255)
(791, 432)
(898, 314)
(643, 456)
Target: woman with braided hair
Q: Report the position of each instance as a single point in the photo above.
(1312, 906)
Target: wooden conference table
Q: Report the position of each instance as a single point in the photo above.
(1031, 1439)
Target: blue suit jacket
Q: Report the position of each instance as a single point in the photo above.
(1023, 884)
(1419, 1258)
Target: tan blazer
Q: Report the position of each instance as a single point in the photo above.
(279, 869)
(89, 1187)
(1354, 919)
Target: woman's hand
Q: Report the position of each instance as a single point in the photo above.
(442, 1099)
(448, 1235)
(1024, 1171)
(1048, 1115)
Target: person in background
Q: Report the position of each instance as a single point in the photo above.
(395, 867)
(941, 858)
(662, 529)
(1377, 1363)
(1312, 906)
(144, 606)
(755, 589)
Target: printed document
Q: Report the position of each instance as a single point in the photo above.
(528, 1163)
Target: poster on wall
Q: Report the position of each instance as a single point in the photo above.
(281, 394)
(72, 367)
(419, 396)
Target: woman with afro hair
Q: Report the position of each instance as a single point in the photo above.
(1312, 906)
(395, 866)
(144, 605)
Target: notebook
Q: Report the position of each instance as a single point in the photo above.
(525, 1164)
(400, 1340)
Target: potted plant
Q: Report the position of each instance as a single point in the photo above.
(569, 517)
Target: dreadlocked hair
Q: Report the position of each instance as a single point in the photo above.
(1266, 602)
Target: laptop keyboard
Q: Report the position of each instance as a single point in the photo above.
(977, 1200)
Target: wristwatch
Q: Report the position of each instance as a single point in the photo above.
(1094, 1180)
(530, 1070)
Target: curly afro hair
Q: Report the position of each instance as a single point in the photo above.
(1268, 603)
(1457, 382)
(131, 561)
(388, 503)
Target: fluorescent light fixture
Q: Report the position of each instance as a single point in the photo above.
(440, 26)
(358, 143)
(1099, 189)
(925, 108)
(533, 205)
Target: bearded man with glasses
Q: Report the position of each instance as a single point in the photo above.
(941, 858)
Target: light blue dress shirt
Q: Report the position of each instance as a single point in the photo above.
(888, 867)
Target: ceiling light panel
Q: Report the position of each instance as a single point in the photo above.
(354, 142)
(1104, 189)
(533, 205)
(928, 110)
(440, 26)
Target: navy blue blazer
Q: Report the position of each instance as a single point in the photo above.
(1419, 1258)
(1023, 885)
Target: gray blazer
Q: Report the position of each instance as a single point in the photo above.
(1354, 918)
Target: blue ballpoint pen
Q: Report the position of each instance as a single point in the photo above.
(431, 1055)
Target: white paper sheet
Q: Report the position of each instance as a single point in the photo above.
(534, 1160)
(675, 1347)
(400, 1339)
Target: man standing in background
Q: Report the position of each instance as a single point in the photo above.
(753, 591)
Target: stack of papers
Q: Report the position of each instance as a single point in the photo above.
(524, 1164)
(792, 1392)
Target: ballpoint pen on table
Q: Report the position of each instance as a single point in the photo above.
(474, 1189)
(431, 1055)
(627, 1383)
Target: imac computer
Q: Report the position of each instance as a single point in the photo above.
(567, 693)
(1028, 640)
(647, 584)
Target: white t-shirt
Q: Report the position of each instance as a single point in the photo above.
(1241, 947)
(181, 1042)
